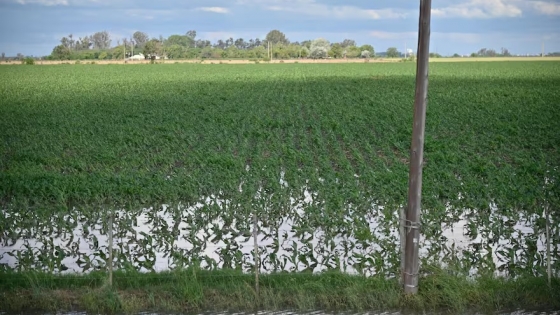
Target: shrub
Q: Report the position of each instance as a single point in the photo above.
(28, 61)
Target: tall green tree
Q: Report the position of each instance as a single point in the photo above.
(152, 47)
(277, 37)
(319, 48)
(61, 52)
(192, 34)
(181, 40)
(101, 40)
(140, 39)
(175, 51)
(368, 48)
(348, 42)
(336, 51)
(392, 52)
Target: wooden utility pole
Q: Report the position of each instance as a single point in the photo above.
(412, 222)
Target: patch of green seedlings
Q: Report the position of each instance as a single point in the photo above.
(78, 143)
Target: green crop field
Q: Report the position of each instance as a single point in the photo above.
(79, 141)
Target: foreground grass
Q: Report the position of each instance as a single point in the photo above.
(190, 290)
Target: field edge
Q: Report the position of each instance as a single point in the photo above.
(193, 290)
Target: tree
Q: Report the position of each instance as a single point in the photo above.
(3, 56)
(175, 51)
(140, 38)
(101, 40)
(240, 43)
(191, 34)
(83, 43)
(348, 43)
(61, 52)
(260, 52)
(455, 55)
(306, 43)
(102, 55)
(203, 43)
(229, 42)
(220, 44)
(152, 47)
(336, 51)
(231, 52)
(65, 42)
(366, 54)
(206, 52)
(505, 52)
(353, 52)
(118, 52)
(483, 52)
(368, 48)
(181, 40)
(392, 52)
(276, 37)
(304, 52)
(71, 41)
(319, 48)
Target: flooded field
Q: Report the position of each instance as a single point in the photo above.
(212, 235)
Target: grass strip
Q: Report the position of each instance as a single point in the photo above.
(193, 290)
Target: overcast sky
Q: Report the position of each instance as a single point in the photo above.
(34, 27)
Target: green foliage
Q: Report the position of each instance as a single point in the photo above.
(368, 48)
(336, 51)
(28, 61)
(140, 136)
(319, 48)
(61, 52)
(152, 47)
(277, 37)
(193, 291)
(392, 52)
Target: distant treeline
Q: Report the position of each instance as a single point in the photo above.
(274, 46)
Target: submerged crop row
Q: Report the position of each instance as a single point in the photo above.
(317, 152)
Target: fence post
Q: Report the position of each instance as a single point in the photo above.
(548, 266)
(110, 262)
(402, 221)
(256, 250)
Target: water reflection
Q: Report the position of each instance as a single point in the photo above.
(217, 233)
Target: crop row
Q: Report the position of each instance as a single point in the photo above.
(126, 137)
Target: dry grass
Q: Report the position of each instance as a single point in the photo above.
(325, 61)
(471, 59)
